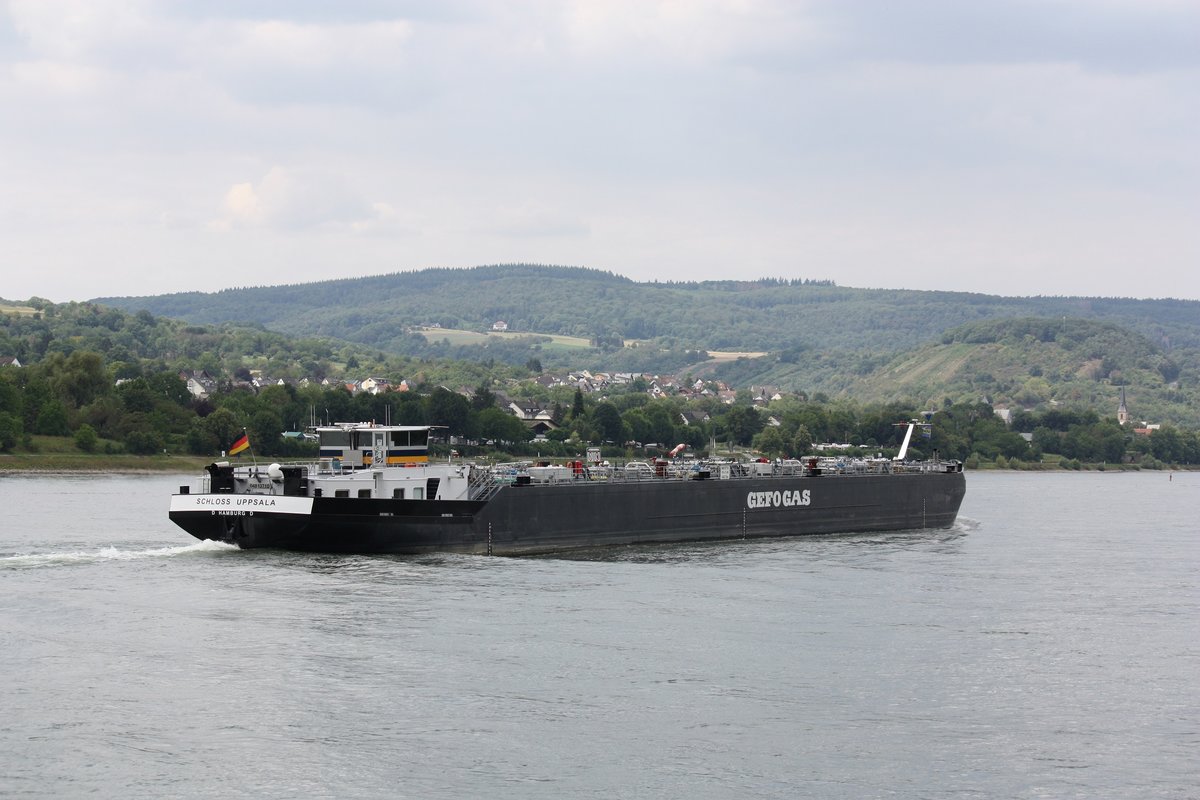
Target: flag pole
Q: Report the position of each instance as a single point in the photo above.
(250, 447)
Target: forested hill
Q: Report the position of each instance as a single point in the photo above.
(761, 315)
(1015, 363)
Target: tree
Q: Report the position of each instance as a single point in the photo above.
(144, 442)
(1034, 391)
(136, 395)
(266, 432)
(577, 407)
(11, 399)
(80, 378)
(769, 442)
(741, 423)
(169, 386)
(495, 423)
(52, 419)
(86, 438)
(11, 430)
(801, 442)
(608, 423)
(200, 441)
(661, 419)
(1168, 445)
(445, 407)
(638, 425)
(483, 398)
(223, 427)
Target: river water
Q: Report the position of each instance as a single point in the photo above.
(1047, 646)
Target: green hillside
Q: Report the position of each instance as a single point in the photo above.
(867, 344)
(1015, 363)
(94, 382)
(714, 315)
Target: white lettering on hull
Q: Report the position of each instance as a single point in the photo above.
(241, 503)
(786, 498)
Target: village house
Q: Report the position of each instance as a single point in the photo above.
(764, 395)
(199, 383)
(374, 385)
(536, 417)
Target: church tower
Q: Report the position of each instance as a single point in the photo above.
(1122, 411)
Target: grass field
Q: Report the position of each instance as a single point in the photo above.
(95, 462)
(729, 355)
(460, 337)
(59, 454)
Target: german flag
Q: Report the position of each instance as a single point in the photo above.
(243, 443)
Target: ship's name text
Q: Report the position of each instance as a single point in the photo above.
(786, 498)
(237, 502)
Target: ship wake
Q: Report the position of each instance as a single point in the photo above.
(109, 554)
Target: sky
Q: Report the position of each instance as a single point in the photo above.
(1048, 147)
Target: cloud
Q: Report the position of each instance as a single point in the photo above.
(387, 220)
(1105, 35)
(927, 143)
(78, 29)
(688, 32)
(534, 220)
(280, 61)
(293, 199)
(57, 77)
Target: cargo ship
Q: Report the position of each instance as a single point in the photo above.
(373, 489)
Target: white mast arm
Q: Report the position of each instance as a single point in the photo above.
(907, 438)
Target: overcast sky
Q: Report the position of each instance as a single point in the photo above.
(1045, 147)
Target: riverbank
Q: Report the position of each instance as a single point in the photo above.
(86, 462)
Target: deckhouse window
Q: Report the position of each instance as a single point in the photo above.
(335, 438)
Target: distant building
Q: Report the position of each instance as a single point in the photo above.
(9, 361)
(1122, 409)
(374, 385)
(536, 417)
(499, 325)
(199, 383)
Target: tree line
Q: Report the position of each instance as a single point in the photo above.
(110, 379)
(81, 396)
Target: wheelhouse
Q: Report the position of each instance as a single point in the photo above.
(359, 445)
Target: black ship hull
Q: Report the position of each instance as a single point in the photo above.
(530, 519)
